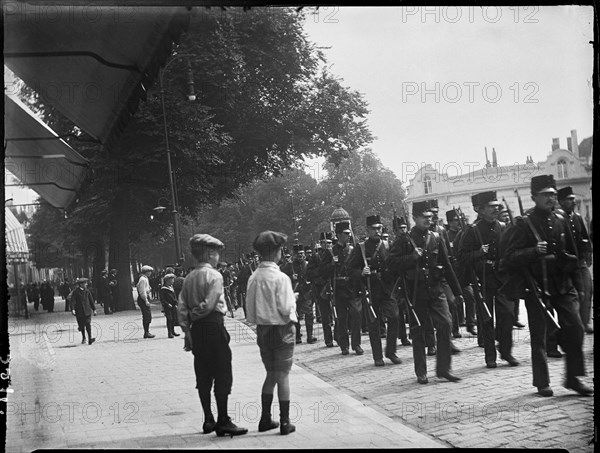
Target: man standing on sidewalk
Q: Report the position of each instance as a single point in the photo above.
(143, 300)
(83, 308)
(104, 293)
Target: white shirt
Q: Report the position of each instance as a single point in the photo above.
(270, 299)
(143, 288)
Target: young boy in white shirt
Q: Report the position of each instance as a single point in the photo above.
(271, 305)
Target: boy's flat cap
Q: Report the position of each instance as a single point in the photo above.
(206, 240)
(269, 239)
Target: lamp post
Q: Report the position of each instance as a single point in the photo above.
(192, 97)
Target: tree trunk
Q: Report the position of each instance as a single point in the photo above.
(99, 260)
(119, 255)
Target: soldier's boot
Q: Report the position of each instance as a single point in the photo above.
(284, 417)
(266, 422)
(170, 329)
(298, 334)
(309, 332)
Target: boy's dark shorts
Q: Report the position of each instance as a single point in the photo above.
(276, 345)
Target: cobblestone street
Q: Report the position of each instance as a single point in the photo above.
(489, 408)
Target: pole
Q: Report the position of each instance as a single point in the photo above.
(170, 169)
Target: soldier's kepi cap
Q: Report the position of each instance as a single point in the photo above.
(205, 240)
(81, 280)
(432, 205)
(342, 227)
(298, 248)
(374, 221)
(419, 207)
(543, 183)
(565, 192)
(308, 249)
(481, 198)
(325, 236)
(268, 240)
(451, 215)
(169, 275)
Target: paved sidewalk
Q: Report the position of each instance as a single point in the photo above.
(127, 392)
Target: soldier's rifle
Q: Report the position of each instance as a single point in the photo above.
(479, 290)
(521, 210)
(544, 298)
(510, 214)
(332, 297)
(367, 287)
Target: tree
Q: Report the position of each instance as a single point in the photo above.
(263, 105)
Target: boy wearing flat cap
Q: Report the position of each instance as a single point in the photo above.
(271, 305)
(538, 247)
(83, 308)
(201, 316)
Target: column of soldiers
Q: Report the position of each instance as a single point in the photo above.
(438, 279)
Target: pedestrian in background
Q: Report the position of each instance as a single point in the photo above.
(201, 316)
(143, 300)
(271, 305)
(83, 308)
(169, 303)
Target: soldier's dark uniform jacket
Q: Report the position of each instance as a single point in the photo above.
(435, 259)
(340, 269)
(579, 234)
(382, 280)
(300, 284)
(470, 253)
(518, 250)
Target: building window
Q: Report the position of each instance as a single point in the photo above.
(427, 184)
(562, 169)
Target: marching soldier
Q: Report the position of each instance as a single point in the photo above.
(478, 250)
(296, 270)
(319, 283)
(539, 258)
(367, 266)
(582, 278)
(450, 296)
(347, 303)
(422, 256)
(403, 318)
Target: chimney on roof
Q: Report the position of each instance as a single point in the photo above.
(494, 160)
(574, 143)
(555, 144)
(569, 144)
(487, 161)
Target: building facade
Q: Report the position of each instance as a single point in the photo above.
(454, 188)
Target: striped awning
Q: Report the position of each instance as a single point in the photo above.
(16, 242)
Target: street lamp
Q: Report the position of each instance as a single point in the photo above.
(191, 97)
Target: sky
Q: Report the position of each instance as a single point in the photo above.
(443, 83)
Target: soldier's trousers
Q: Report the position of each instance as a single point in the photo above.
(582, 279)
(502, 308)
(326, 318)
(452, 307)
(570, 336)
(403, 318)
(431, 303)
(349, 312)
(383, 306)
(470, 319)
